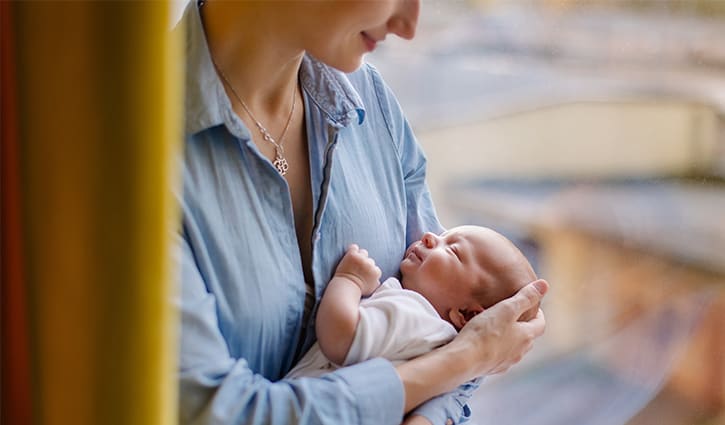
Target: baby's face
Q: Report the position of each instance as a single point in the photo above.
(444, 268)
(465, 268)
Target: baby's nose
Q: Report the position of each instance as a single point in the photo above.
(430, 240)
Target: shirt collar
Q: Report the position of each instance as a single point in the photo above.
(207, 104)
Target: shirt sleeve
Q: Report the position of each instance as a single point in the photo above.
(421, 214)
(214, 387)
(452, 405)
(421, 217)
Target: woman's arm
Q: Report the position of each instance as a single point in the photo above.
(338, 315)
(434, 377)
(218, 387)
(490, 343)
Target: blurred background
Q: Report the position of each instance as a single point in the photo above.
(592, 133)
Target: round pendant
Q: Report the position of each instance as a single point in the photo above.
(280, 163)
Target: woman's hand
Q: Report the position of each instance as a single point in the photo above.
(359, 268)
(490, 343)
(496, 336)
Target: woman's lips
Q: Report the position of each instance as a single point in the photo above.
(370, 43)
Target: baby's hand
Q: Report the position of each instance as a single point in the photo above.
(357, 267)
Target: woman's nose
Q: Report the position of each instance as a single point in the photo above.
(430, 240)
(405, 20)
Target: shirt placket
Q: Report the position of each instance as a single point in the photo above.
(332, 138)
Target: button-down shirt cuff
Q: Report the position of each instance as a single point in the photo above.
(449, 408)
(377, 389)
(439, 411)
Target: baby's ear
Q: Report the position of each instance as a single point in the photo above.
(459, 317)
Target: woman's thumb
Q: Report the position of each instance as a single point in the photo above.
(529, 296)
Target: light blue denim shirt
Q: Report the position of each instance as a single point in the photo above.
(243, 289)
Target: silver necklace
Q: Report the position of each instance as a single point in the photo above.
(280, 162)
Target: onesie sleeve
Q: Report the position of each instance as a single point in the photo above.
(398, 325)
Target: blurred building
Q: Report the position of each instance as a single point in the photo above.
(593, 133)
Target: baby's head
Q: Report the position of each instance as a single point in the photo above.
(464, 271)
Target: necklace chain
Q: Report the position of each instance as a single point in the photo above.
(280, 162)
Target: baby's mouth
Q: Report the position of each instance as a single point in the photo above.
(416, 254)
(413, 253)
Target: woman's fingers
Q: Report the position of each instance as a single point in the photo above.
(528, 297)
(514, 338)
(537, 325)
(532, 329)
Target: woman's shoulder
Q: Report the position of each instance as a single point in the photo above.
(368, 78)
(376, 94)
(367, 71)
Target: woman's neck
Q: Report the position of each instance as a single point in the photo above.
(260, 65)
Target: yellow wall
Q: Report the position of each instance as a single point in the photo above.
(100, 112)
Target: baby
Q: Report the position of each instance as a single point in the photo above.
(446, 280)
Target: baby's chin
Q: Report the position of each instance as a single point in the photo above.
(404, 268)
(403, 280)
(406, 283)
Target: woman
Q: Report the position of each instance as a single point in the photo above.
(288, 161)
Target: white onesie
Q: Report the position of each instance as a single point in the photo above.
(395, 323)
